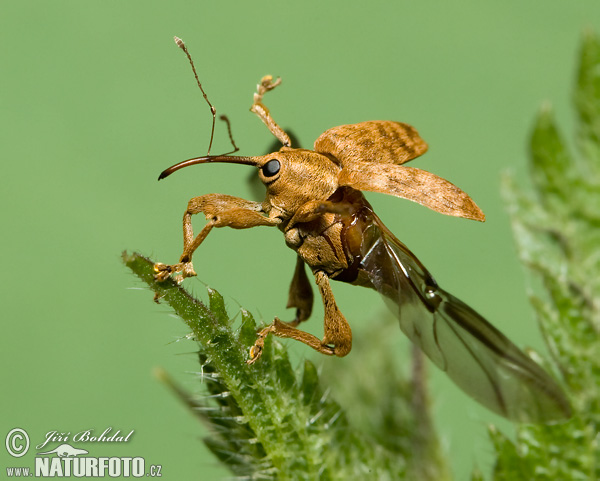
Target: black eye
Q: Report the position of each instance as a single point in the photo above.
(271, 168)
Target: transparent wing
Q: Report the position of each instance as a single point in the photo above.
(483, 362)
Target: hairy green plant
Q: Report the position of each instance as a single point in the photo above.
(557, 230)
(269, 422)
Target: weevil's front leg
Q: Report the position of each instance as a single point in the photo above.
(221, 211)
(338, 336)
(263, 113)
(301, 295)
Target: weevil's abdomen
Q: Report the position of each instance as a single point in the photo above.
(355, 233)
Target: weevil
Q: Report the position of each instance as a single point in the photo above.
(314, 197)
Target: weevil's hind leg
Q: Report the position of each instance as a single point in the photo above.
(338, 336)
(301, 295)
(286, 330)
(337, 332)
(263, 113)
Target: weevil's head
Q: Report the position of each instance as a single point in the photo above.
(295, 176)
(292, 176)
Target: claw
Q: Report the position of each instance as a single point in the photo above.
(257, 349)
(178, 271)
(255, 352)
(163, 271)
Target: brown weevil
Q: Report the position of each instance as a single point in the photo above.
(314, 197)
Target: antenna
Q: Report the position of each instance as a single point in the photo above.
(180, 43)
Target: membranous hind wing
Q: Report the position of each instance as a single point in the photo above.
(483, 362)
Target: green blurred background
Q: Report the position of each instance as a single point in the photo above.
(96, 100)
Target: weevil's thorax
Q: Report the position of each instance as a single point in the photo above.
(335, 243)
(301, 176)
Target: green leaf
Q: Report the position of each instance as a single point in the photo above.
(558, 239)
(587, 103)
(552, 167)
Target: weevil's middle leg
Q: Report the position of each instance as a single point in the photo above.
(300, 295)
(338, 335)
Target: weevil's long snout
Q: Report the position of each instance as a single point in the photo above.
(233, 159)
